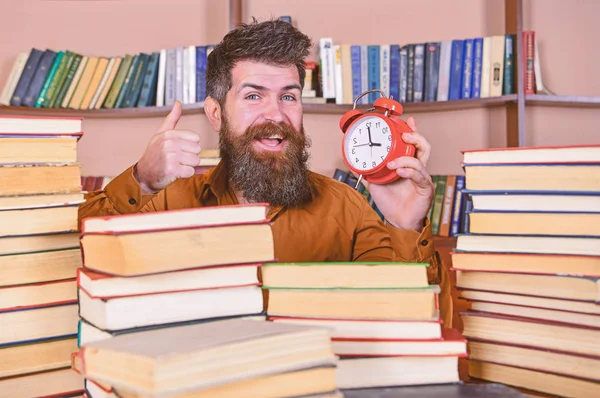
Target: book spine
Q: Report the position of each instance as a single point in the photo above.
(136, 84)
(170, 77)
(338, 75)
(458, 203)
(200, 73)
(117, 86)
(410, 73)
(327, 60)
(395, 71)
(419, 73)
(477, 65)
(374, 71)
(508, 64)
(467, 73)
(444, 71)
(456, 70)
(403, 75)
(59, 79)
(364, 72)
(486, 67)
(149, 82)
(31, 66)
(384, 69)
(41, 99)
(125, 90)
(68, 80)
(432, 67)
(37, 82)
(13, 78)
(355, 67)
(160, 84)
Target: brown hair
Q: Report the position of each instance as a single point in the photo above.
(272, 42)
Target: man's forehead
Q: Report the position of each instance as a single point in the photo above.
(266, 75)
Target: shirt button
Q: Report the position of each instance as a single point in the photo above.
(132, 201)
(424, 242)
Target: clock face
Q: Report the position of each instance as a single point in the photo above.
(368, 142)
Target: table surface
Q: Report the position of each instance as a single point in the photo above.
(459, 390)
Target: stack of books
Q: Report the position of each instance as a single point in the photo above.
(39, 254)
(164, 269)
(228, 358)
(384, 319)
(530, 268)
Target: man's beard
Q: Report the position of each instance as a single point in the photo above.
(279, 178)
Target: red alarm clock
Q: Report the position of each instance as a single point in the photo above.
(373, 138)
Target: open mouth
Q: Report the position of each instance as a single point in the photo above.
(272, 143)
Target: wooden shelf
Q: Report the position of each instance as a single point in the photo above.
(309, 108)
(567, 101)
(323, 109)
(150, 111)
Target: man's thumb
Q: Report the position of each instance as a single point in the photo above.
(172, 118)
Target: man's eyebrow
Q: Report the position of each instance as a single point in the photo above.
(294, 86)
(251, 85)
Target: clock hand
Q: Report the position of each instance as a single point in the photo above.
(375, 144)
(369, 131)
(363, 145)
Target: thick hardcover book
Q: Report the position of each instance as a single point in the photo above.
(39, 78)
(26, 77)
(432, 66)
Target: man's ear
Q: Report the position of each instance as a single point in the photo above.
(212, 108)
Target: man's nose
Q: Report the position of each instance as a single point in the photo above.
(273, 111)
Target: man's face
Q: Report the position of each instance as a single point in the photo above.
(262, 139)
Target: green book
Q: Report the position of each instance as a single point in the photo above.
(68, 80)
(438, 204)
(117, 85)
(128, 81)
(58, 80)
(41, 99)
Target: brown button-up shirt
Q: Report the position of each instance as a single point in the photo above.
(337, 225)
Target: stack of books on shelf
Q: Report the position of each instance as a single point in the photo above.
(449, 207)
(530, 268)
(384, 319)
(425, 72)
(163, 269)
(68, 79)
(39, 255)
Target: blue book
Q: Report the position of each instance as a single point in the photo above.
(373, 78)
(456, 66)
(477, 64)
(356, 74)
(457, 212)
(395, 71)
(467, 73)
(200, 73)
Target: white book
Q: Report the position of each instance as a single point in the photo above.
(384, 69)
(13, 78)
(486, 60)
(179, 73)
(444, 71)
(338, 75)
(186, 77)
(327, 59)
(192, 73)
(497, 66)
(364, 72)
(160, 84)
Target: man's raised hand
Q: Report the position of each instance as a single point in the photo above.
(171, 154)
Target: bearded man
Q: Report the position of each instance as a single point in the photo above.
(254, 83)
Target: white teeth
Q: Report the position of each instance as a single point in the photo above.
(275, 137)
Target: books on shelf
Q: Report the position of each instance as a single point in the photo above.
(39, 255)
(68, 79)
(530, 267)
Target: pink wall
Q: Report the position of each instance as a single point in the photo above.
(567, 32)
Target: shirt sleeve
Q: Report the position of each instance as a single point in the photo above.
(375, 241)
(123, 195)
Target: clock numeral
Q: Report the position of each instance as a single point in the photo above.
(382, 158)
(357, 160)
(389, 137)
(364, 165)
(374, 164)
(353, 151)
(388, 148)
(368, 124)
(377, 124)
(354, 140)
(359, 131)
(385, 130)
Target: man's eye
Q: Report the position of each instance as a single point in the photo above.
(288, 97)
(252, 96)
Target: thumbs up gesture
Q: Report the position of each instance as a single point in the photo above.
(171, 154)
